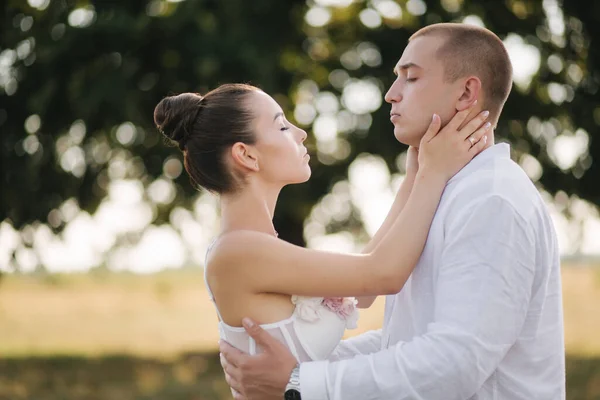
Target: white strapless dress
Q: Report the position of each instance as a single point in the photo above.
(311, 333)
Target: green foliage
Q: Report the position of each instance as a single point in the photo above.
(189, 377)
(84, 82)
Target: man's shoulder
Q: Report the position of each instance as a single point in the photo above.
(502, 180)
(498, 176)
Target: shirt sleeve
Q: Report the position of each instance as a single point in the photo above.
(366, 343)
(481, 300)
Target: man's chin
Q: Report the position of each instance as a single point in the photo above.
(406, 138)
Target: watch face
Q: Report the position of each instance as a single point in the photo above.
(292, 394)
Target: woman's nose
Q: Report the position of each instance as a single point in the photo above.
(303, 135)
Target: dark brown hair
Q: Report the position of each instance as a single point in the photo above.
(205, 127)
(471, 50)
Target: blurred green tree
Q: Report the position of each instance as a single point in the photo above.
(79, 81)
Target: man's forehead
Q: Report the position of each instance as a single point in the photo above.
(419, 51)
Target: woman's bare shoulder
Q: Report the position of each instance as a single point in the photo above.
(237, 248)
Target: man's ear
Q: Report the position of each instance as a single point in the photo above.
(244, 157)
(471, 91)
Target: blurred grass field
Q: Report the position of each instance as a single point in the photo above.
(125, 336)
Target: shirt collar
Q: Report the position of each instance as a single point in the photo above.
(497, 151)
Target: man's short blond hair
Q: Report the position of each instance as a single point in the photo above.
(471, 50)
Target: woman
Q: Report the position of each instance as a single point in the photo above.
(237, 143)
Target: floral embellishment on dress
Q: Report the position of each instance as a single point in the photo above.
(309, 308)
(345, 308)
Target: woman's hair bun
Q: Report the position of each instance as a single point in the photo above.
(174, 116)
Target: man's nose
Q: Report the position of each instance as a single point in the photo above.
(394, 94)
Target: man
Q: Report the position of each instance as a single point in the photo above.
(481, 316)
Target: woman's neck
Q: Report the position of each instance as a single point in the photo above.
(250, 209)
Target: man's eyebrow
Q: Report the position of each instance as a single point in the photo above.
(404, 67)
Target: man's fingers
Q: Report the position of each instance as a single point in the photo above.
(260, 336)
(237, 395)
(232, 377)
(472, 126)
(232, 372)
(231, 354)
(227, 367)
(434, 128)
(233, 382)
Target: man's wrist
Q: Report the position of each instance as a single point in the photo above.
(292, 389)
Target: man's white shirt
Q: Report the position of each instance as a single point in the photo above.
(480, 317)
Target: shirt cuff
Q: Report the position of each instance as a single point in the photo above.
(313, 380)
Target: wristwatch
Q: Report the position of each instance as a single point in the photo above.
(292, 390)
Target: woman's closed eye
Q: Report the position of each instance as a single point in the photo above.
(410, 79)
(282, 121)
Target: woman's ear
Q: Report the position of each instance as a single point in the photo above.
(471, 91)
(244, 157)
